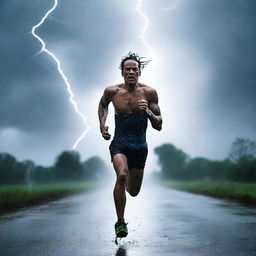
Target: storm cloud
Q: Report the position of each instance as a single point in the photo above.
(205, 78)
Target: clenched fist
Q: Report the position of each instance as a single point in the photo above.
(105, 133)
(143, 105)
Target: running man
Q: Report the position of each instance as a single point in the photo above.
(134, 104)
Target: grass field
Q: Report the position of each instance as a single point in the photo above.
(15, 197)
(243, 192)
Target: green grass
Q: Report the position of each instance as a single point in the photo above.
(19, 196)
(243, 192)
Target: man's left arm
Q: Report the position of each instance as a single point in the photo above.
(152, 110)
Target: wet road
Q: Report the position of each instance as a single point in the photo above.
(161, 222)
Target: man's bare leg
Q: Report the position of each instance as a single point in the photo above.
(121, 168)
(134, 181)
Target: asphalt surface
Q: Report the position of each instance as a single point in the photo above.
(160, 222)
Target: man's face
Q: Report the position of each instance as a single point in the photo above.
(131, 72)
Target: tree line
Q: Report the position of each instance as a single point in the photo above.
(240, 165)
(67, 167)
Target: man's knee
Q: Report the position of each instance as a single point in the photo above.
(122, 177)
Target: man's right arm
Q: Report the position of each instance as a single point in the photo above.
(103, 112)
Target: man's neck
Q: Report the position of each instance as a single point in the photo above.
(131, 87)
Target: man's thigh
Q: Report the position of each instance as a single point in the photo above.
(120, 163)
(135, 178)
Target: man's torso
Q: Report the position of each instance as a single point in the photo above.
(130, 121)
(126, 102)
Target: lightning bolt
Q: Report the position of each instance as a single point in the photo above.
(146, 23)
(144, 29)
(64, 77)
(173, 6)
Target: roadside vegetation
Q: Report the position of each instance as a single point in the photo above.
(14, 197)
(242, 192)
(231, 178)
(24, 184)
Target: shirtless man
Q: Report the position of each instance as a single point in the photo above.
(134, 104)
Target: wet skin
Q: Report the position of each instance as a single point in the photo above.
(127, 98)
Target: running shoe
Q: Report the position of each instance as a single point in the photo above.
(121, 228)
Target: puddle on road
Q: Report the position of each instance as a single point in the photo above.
(124, 245)
(121, 251)
(122, 242)
(238, 209)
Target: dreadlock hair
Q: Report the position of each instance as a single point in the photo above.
(135, 57)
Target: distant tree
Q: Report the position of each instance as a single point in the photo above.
(198, 168)
(244, 170)
(172, 161)
(242, 148)
(11, 172)
(43, 174)
(95, 168)
(222, 170)
(68, 166)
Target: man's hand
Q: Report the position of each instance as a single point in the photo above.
(143, 105)
(105, 133)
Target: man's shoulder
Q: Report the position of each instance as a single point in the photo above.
(147, 89)
(112, 89)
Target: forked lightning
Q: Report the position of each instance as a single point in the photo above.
(68, 86)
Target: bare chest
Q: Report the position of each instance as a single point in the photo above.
(126, 103)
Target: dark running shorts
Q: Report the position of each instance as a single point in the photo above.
(136, 158)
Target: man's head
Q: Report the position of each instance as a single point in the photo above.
(135, 57)
(131, 66)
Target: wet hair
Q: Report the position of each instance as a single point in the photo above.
(135, 57)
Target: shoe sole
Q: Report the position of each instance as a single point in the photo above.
(122, 234)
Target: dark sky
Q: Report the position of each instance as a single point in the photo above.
(203, 70)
